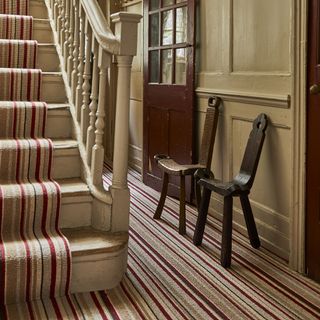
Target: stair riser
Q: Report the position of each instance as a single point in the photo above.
(75, 211)
(53, 90)
(59, 124)
(85, 270)
(47, 59)
(66, 164)
(38, 10)
(42, 31)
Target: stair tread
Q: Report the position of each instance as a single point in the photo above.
(84, 241)
(64, 143)
(58, 106)
(45, 44)
(73, 187)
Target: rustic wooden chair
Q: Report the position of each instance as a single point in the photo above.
(239, 187)
(169, 167)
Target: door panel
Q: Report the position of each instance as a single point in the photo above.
(313, 143)
(168, 86)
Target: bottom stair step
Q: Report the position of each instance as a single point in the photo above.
(99, 259)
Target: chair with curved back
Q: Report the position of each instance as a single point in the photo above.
(169, 167)
(240, 186)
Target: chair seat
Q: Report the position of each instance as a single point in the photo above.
(170, 166)
(224, 188)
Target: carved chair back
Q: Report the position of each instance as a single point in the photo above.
(252, 153)
(209, 132)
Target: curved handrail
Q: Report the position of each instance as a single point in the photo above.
(100, 27)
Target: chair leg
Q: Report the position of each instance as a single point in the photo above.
(226, 243)
(202, 217)
(251, 225)
(198, 192)
(182, 216)
(162, 199)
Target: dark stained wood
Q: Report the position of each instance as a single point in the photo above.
(168, 110)
(170, 167)
(313, 143)
(239, 186)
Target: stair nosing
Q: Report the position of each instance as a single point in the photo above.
(120, 240)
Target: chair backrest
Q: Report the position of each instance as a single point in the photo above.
(209, 132)
(253, 150)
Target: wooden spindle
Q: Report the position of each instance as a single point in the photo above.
(80, 65)
(70, 43)
(59, 17)
(75, 53)
(94, 103)
(104, 61)
(66, 33)
(61, 34)
(86, 83)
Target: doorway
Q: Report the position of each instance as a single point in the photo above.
(169, 54)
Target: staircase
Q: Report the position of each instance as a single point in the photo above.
(76, 49)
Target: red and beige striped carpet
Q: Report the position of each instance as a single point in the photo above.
(169, 278)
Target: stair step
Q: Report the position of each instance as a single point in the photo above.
(42, 31)
(76, 203)
(96, 257)
(53, 89)
(38, 9)
(48, 59)
(59, 124)
(66, 159)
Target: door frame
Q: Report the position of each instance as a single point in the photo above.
(299, 135)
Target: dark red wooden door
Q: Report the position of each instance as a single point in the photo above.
(168, 85)
(313, 145)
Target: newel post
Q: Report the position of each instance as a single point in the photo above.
(126, 31)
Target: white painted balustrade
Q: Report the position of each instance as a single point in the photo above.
(88, 48)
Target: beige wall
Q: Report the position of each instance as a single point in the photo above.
(246, 55)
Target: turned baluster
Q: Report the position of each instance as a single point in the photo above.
(61, 34)
(65, 44)
(51, 7)
(94, 103)
(70, 43)
(75, 53)
(80, 65)
(104, 61)
(59, 17)
(86, 83)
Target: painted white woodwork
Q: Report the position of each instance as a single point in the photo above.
(98, 148)
(93, 104)
(86, 84)
(78, 102)
(87, 49)
(75, 53)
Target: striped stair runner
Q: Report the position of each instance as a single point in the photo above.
(14, 7)
(16, 27)
(20, 84)
(18, 53)
(35, 258)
